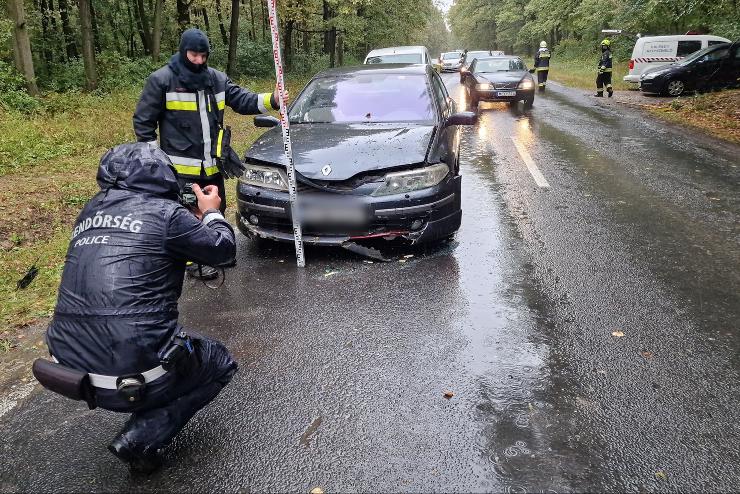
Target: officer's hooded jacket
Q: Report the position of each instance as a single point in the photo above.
(605, 62)
(186, 102)
(123, 274)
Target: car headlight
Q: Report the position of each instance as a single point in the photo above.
(484, 86)
(526, 84)
(653, 75)
(265, 176)
(411, 180)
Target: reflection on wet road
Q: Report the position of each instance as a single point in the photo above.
(344, 365)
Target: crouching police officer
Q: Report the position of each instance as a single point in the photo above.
(186, 99)
(115, 335)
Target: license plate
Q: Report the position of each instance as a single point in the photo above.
(506, 93)
(332, 214)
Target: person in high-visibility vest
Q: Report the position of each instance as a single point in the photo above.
(604, 77)
(185, 101)
(542, 65)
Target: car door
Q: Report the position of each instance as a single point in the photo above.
(707, 71)
(448, 139)
(731, 68)
(470, 77)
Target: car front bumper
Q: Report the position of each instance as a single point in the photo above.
(496, 94)
(416, 217)
(651, 85)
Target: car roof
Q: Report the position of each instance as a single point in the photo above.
(383, 68)
(500, 57)
(682, 37)
(396, 49)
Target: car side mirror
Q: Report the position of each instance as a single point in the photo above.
(462, 118)
(266, 121)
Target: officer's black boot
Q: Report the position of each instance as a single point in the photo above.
(610, 91)
(200, 272)
(599, 94)
(143, 462)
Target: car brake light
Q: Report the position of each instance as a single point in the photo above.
(632, 64)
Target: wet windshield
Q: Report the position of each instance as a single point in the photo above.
(365, 97)
(472, 55)
(395, 58)
(500, 65)
(696, 55)
(450, 56)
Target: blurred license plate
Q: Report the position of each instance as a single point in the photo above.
(506, 93)
(332, 213)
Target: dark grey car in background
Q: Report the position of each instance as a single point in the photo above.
(498, 79)
(376, 150)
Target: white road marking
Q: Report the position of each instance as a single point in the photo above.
(539, 179)
(9, 402)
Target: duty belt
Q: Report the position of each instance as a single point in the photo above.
(111, 382)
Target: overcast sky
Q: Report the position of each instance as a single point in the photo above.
(443, 4)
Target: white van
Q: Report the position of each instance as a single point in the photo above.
(399, 54)
(654, 51)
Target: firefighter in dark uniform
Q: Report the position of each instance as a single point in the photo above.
(542, 65)
(185, 100)
(116, 312)
(604, 77)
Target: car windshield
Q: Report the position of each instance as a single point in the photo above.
(500, 65)
(450, 56)
(395, 58)
(364, 97)
(472, 55)
(696, 55)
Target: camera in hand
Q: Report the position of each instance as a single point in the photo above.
(188, 197)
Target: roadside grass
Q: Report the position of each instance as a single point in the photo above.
(48, 164)
(582, 73)
(717, 113)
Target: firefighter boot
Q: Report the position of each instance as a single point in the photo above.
(610, 91)
(599, 94)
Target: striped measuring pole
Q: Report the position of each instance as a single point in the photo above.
(287, 145)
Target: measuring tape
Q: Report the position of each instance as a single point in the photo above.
(287, 145)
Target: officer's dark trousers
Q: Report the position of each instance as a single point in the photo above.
(542, 77)
(603, 79)
(217, 180)
(169, 405)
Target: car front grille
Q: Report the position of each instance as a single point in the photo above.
(505, 85)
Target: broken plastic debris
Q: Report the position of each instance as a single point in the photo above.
(408, 256)
(449, 394)
(317, 490)
(402, 260)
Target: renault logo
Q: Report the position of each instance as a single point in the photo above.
(326, 170)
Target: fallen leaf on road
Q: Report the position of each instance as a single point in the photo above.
(646, 354)
(449, 394)
(617, 334)
(330, 273)
(408, 256)
(402, 260)
(660, 475)
(317, 490)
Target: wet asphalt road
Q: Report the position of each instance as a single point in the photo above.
(344, 364)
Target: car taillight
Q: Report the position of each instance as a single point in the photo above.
(632, 64)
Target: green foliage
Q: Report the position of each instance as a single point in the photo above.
(13, 95)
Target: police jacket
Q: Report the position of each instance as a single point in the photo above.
(190, 119)
(542, 59)
(605, 62)
(124, 269)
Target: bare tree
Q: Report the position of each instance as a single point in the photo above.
(233, 37)
(88, 50)
(22, 45)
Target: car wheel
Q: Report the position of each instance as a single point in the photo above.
(528, 103)
(675, 87)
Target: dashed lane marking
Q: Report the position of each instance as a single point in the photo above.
(539, 179)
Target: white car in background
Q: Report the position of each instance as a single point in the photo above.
(655, 51)
(451, 60)
(400, 54)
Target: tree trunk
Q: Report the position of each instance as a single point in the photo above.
(206, 22)
(233, 38)
(264, 21)
(69, 37)
(142, 22)
(22, 45)
(332, 47)
(43, 7)
(96, 34)
(288, 44)
(306, 41)
(157, 30)
(183, 15)
(221, 27)
(88, 51)
(327, 34)
(253, 35)
(340, 49)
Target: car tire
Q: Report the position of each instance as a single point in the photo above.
(675, 87)
(528, 103)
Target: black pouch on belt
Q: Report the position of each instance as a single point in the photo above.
(227, 160)
(72, 383)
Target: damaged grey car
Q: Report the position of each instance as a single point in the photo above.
(376, 151)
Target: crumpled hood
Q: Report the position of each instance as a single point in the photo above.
(138, 167)
(348, 149)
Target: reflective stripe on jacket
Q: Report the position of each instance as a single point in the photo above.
(605, 62)
(542, 59)
(187, 121)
